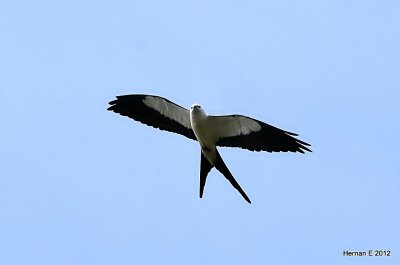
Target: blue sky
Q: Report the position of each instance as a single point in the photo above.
(80, 185)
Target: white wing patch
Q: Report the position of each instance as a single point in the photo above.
(169, 110)
(227, 126)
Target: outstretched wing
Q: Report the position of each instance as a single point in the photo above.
(244, 132)
(154, 111)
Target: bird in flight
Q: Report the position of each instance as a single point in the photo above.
(209, 131)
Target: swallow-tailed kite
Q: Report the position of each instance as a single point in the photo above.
(209, 131)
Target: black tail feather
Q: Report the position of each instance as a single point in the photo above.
(205, 168)
(220, 165)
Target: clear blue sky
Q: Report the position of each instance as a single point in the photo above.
(80, 185)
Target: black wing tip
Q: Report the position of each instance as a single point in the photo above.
(121, 100)
(300, 146)
(296, 147)
(113, 104)
(300, 149)
(303, 146)
(302, 142)
(129, 96)
(112, 107)
(291, 133)
(306, 149)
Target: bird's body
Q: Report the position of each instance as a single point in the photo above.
(200, 123)
(209, 131)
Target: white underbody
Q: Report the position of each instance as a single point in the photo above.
(204, 133)
(207, 129)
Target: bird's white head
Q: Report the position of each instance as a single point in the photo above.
(197, 110)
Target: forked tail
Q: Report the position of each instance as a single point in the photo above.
(205, 168)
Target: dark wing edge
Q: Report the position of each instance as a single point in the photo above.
(269, 139)
(133, 106)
